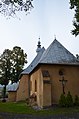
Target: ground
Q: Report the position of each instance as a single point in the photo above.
(26, 116)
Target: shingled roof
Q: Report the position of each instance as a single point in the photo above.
(56, 53)
(34, 63)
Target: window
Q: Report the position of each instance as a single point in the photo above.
(35, 86)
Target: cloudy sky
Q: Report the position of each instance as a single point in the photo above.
(47, 19)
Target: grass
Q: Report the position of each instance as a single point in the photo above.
(22, 108)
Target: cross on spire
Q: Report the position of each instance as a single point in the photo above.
(38, 46)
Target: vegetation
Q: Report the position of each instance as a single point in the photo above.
(76, 101)
(11, 65)
(69, 100)
(10, 7)
(22, 108)
(74, 4)
(62, 100)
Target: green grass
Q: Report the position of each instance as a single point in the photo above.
(22, 108)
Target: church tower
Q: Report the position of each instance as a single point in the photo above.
(38, 46)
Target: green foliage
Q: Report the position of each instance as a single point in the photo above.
(76, 101)
(11, 65)
(62, 100)
(66, 101)
(18, 58)
(74, 4)
(69, 100)
(5, 67)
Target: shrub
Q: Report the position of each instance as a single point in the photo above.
(69, 100)
(62, 100)
(76, 101)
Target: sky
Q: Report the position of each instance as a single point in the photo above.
(47, 20)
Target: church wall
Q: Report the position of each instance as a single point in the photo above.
(36, 76)
(71, 74)
(12, 96)
(23, 89)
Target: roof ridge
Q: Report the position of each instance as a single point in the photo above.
(57, 53)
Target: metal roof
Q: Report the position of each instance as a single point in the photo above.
(56, 53)
(34, 63)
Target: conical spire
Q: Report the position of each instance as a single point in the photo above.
(38, 46)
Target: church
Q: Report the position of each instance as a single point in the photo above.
(52, 72)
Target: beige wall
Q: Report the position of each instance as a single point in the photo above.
(48, 94)
(36, 76)
(71, 73)
(23, 89)
(12, 96)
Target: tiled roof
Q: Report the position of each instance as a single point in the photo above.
(58, 54)
(34, 63)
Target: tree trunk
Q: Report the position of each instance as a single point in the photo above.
(4, 93)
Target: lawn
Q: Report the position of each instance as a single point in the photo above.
(22, 108)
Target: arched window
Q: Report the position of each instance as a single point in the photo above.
(35, 86)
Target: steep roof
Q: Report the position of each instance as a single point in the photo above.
(34, 63)
(58, 54)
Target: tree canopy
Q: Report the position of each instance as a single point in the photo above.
(10, 7)
(11, 64)
(74, 4)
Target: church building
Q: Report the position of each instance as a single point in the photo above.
(52, 72)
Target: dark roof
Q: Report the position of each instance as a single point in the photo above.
(34, 63)
(56, 53)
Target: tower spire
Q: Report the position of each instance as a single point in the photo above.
(38, 46)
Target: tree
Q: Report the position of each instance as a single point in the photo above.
(10, 7)
(5, 70)
(18, 58)
(11, 65)
(74, 4)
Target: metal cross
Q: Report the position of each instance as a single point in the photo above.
(63, 81)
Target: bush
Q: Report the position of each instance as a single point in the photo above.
(69, 100)
(76, 101)
(62, 100)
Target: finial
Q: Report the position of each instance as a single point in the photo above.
(39, 38)
(38, 46)
(55, 37)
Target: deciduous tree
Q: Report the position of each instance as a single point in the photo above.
(11, 64)
(18, 60)
(5, 70)
(74, 4)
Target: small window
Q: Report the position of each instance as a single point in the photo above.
(35, 86)
(61, 72)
